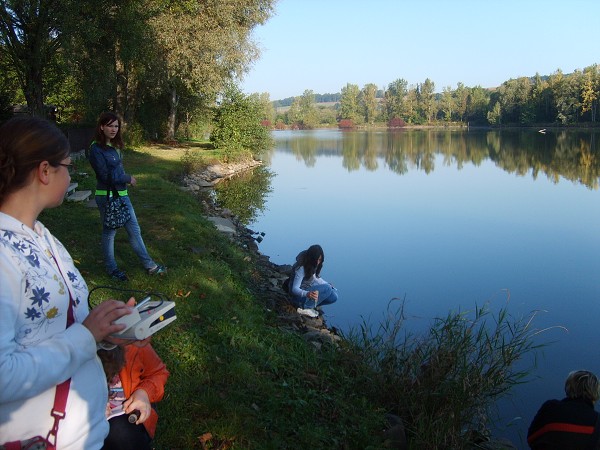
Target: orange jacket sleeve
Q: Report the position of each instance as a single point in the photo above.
(144, 370)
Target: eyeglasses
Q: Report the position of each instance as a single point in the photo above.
(68, 166)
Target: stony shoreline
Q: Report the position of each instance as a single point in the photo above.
(267, 286)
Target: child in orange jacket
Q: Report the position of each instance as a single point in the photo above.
(136, 379)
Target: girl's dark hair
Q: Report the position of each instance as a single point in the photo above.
(25, 142)
(310, 261)
(106, 118)
(112, 361)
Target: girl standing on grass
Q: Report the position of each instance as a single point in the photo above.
(105, 157)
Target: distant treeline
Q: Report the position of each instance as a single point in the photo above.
(561, 99)
(319, 98)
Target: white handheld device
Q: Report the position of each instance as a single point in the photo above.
(147, 318)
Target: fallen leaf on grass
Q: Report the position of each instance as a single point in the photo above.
(205, 438)
(217, 444)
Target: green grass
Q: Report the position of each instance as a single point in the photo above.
(237, 380)
(240, 381)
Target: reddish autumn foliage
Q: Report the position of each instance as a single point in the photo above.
(396, 122)
(346, 124)
(266, 123)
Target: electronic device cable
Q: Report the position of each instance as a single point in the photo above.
(159, 295)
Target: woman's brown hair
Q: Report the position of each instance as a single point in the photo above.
(25, 142)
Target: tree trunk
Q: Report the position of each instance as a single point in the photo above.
(173, 102)
(33, 92)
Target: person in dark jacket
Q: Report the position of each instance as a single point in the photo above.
(105, 157)
(571, 423)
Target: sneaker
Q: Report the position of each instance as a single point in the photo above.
(308, 312)
(158, 270)
(119, 275)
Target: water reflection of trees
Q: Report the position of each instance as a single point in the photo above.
(245, 195)
(572, 155)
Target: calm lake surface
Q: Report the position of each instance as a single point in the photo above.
(448, 220)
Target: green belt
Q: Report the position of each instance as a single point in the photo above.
(104, 192)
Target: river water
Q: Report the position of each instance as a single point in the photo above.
(447, 221)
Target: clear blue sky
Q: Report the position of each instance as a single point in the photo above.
(322, 45)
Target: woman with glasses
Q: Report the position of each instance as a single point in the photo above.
(48, 335)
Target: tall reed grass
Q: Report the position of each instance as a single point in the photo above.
(444, 382)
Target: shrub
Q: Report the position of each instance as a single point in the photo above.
(134, 135)
(190, 162)
(237, 125)
(346, 124)
(396, 122)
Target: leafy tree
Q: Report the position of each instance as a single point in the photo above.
(478, 100)
(447, 103)
(8, 88)
(411, 102)
(514, 96)
(494, 116)
(31, 32)
(109, 52)
(267, 105)
(565, 92)
(205, 45)
(590, 91)
(426, 98)
(303, 111)
(237, 124)
(461, 101)
(368, 102)
(327, 115)
(349, 103)
(394, 99)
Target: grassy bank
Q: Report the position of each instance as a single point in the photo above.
(237, 380)
(240, 380)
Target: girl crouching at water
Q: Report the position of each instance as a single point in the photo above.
(308, 290)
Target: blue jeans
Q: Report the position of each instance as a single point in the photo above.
(135, 237)
(327, 296)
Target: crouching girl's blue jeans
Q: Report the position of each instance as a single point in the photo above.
(327, 296)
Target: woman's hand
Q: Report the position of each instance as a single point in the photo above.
(100, 320)
(133, 181)
(313, 295)
(139, 400)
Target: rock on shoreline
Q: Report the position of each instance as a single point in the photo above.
(213, 174)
